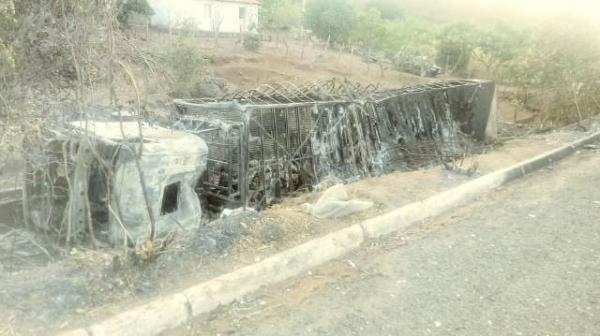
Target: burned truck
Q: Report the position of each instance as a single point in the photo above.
(113, 181)
(279, 139)
(129, 181)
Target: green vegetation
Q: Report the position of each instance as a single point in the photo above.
(251, 42)
(560, 68)
(389, 9)
(455, 46)
(330, 20)
(553, 67)
(186, 65)
(369, 30)
(280, 14)
(497, 44)
(127, 8)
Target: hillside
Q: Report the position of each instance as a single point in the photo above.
(239, 69)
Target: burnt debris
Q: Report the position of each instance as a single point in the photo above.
(128, 181)
(109, 181)
(281, 138)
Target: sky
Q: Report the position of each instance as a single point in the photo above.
(537, 9)
(546, 7)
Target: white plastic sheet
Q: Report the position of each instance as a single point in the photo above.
(336, 203)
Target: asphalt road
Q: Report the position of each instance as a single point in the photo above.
(524, 260)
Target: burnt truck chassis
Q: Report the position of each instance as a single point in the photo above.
(81, 180)
(275, 140)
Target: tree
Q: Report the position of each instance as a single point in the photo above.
(456, 43)
(369, 30)
(128, 7)
(330, 20)
(389, 9)
(498, 44)
(186, 65)
(280, 14)
(279, 17)
(560, 70)
(216, 20)
(7, 58)
(410, 34)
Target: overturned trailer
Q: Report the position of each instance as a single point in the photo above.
(277, 139)
(111, 180)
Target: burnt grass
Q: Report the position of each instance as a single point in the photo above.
(85, 285)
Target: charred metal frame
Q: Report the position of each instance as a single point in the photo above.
(277, 139)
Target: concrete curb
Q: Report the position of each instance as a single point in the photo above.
(444, 201)
(174, 310)
(171, 311)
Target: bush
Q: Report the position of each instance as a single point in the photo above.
(330, 20)
(280, 14)
(561, 68)
(410, 34)
(187, 66)
(389, 9)
(369, 30)
(251, 42)
(415, 60)
(498, 44)
(456, 43)
(127, 8)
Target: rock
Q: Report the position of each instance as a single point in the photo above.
(207, 90)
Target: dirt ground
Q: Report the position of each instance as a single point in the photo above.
(244, 69)
(271, 64)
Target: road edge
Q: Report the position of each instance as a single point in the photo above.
(171, 311)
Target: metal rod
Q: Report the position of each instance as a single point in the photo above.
(276, 136)
(262, 157)
(300, 144)
(287, 148)
(244, 143)
(229, 165)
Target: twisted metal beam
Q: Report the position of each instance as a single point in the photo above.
(283, 93)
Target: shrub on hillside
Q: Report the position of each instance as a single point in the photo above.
(129, 8)
(251, 42)
(456, 43)
(415, 60)
(330, 20)
(561, 68)
(186, 65)
(498, 44)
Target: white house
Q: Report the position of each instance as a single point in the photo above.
(224, 16)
